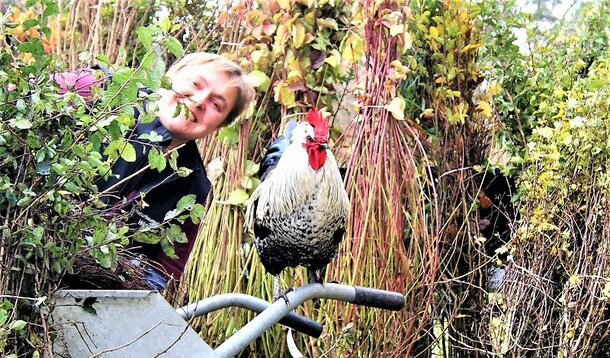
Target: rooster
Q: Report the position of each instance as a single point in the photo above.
(299, 211)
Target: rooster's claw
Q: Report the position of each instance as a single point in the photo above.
(283, 295)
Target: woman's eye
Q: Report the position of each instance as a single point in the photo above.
(216, 105)
(195, 84)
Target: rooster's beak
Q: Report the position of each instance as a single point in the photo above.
(324, 145)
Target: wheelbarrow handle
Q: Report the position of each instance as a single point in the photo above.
(291, 319)
(373, 297)
(354, 294)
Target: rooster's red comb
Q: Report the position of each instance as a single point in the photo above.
(315, 118)
(318, 122)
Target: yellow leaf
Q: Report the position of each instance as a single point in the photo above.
(328, 23)
(287, 97)
(256, 56)
(333, 59)
(285, 4)
(397, 107)
(573, 279)
(408, 42)
(544, 132)
(397, 29)
(560, 113)
(470, 47)
(294, 74)
(353, 48)
(298, 35)
(485, 108)
(433, 32)
(280, 34)
(495, 88)
(283, 95)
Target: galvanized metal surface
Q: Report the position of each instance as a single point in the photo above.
(109, 323)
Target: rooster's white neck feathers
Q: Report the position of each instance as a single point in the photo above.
(293, 182)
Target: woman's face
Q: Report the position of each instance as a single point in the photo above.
(208, 95)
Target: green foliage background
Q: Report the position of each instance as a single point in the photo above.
(429, 100)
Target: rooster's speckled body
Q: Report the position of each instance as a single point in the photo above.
(299, 211)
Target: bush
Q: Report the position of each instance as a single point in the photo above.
(53, 147)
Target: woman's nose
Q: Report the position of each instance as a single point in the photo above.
(200, 97)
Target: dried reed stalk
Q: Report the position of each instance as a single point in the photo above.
(386, 203)
(97, 27)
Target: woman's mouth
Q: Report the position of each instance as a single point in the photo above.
(191, 117)
(183, 108)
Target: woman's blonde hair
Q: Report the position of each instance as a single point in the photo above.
(245, 91)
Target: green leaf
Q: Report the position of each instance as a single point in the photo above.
(228, 135)
(170, 215)
(186, 202)
(168, 248)
(152, 137)
(174, 46)
(145, 37)
(33, 46)
(103, 59)
(29, 23)
(173, 160)
(184, 172)
(50, 9)
(166, 83)
(128, 153)
(89, 309)
(246, 182)
(181, 108)
(328, 22)
(146, 237)
(251, 168)
(20, 123)
(17, 325)
(23, 201)
(260, 80)
(156, 159)
(197, 213)
(175, 234)
(238, 197)
(155, 71)
(285, 96)
(164, 24)
(334, 59)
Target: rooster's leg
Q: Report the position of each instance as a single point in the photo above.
(316, 276)
(277, 290)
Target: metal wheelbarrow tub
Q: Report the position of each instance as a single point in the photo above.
(121, 323)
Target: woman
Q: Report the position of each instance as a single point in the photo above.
(208, 92)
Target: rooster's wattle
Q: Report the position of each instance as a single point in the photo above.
(299, 211)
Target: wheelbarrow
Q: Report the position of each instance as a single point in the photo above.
(123, 323)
